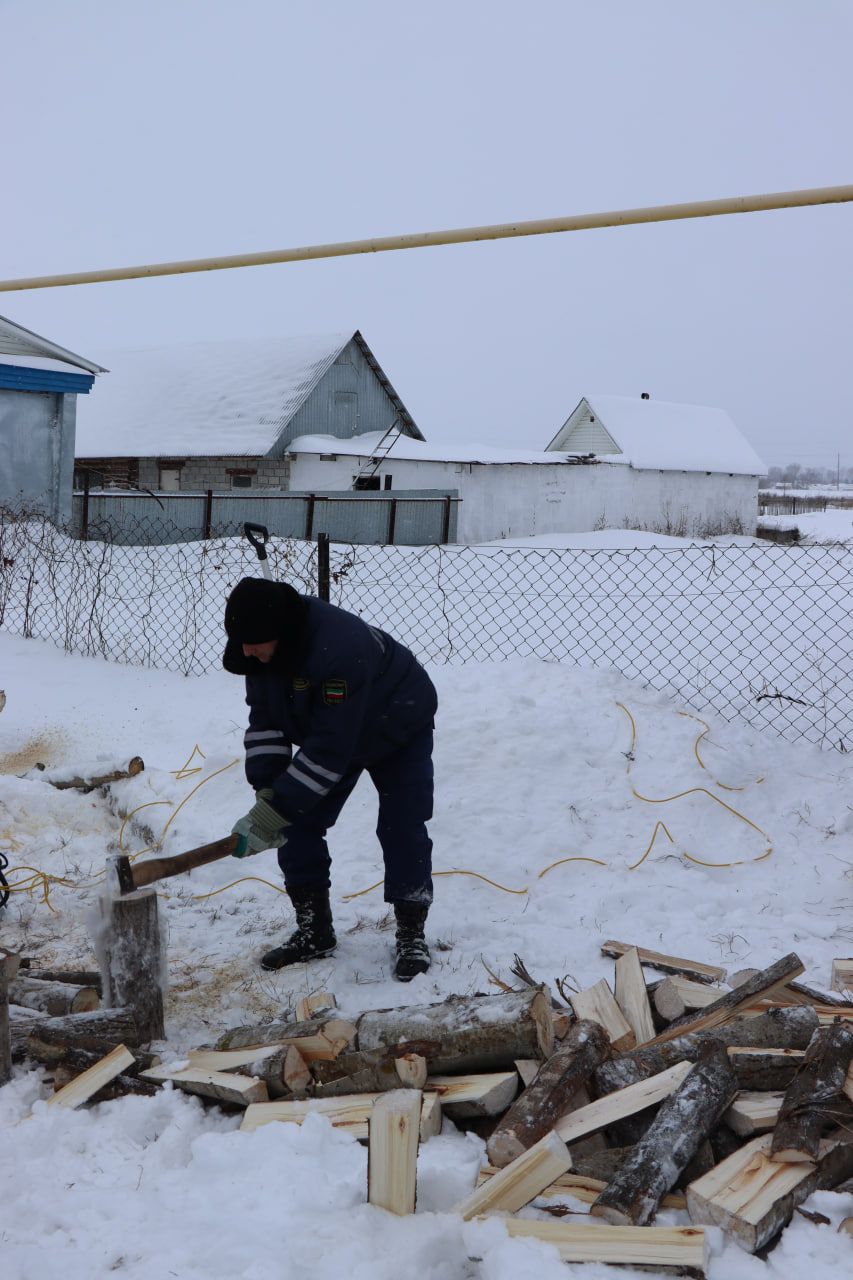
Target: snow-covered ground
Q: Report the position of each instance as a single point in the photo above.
(533, 767)
(833, 525)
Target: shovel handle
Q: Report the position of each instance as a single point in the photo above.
(152, 869)
(258, 535)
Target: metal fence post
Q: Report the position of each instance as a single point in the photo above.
(392, 520)
(323, 574)
(208, 514)
(445, 530)
(84, 516)
(309, 517)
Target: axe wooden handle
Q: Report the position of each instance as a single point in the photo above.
(143, 873)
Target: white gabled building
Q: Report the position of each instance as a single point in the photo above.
(616, 462)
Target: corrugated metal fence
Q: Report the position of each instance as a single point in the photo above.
(422, 517)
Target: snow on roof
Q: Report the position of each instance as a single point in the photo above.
(405, 448)
(35, 362)
(21, 343)
(659, 435)
(226, 399)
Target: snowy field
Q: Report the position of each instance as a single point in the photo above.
(532, 768)
(833, 525)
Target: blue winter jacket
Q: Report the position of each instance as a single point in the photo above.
(349, 696)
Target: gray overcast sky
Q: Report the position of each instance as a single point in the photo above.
(169, 129)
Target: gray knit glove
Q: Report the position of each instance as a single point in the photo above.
(261, 828)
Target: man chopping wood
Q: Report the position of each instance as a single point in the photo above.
(351, 698)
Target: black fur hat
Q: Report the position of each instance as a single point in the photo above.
(258, 611)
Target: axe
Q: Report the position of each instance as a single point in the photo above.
(130, 876)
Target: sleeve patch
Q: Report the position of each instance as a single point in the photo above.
(334, 692)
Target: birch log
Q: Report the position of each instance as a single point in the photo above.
(77, 977)
(53, 998)
(471, 1033)
(765, 983)
(134, 964)
(776, 1029)
(98, 1032)
(21, 1023)
(8, 969)
(549, 1098)
(765, 1069)
(813, 1099)
(682, 1123)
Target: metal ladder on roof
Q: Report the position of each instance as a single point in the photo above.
(384, 447)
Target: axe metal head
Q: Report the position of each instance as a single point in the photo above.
(122, 873)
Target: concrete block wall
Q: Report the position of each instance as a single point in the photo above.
(199, 474)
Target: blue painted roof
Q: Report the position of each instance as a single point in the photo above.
(23, 378)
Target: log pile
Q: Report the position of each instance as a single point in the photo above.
(76, 1020)
(728, 1104)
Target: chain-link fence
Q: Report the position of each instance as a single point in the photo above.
(761, 632)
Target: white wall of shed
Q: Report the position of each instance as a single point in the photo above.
(517, 501)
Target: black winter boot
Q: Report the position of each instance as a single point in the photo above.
(314, 936)
(412, 950)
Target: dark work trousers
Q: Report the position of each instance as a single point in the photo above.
(404, 780)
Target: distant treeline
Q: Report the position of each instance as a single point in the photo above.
(799, 477)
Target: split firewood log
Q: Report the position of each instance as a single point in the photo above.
(75, 1061)
(681, 1125)
(667, 964)
(765, 983)
(549, 1097)
(792, 992)
(813, 1100)
(122, 1085)
(752, 1197)
(777, 1029)
(374, 1071)
(317, 1039)
(370, 1071)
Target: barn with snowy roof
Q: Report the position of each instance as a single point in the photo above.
(222, 415)
(616, 462)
